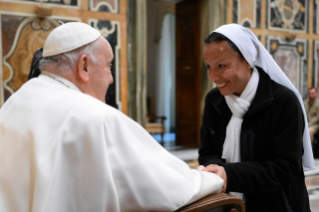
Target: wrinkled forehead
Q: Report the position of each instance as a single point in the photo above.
(108, 50)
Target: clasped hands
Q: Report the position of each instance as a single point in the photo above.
(218, 170)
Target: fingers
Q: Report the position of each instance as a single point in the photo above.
(201, 168)
(219, 171)
(212, 165)
(211, 168)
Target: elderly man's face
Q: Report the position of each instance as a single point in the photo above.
(312, 94)
(225, 68)
(101, 77)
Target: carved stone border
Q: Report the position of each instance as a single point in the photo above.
(29, 18)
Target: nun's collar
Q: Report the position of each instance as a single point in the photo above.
(264, 94)
(262, 99)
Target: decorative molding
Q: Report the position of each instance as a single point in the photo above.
(256, 11)
(288, 15)
(104, 5)
(51, 3)
(36, 24)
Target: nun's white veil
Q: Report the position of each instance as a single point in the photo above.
(256, 55)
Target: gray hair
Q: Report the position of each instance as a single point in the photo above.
(66, 63)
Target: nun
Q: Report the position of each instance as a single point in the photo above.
(254, 132)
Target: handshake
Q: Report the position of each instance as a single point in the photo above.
(219, 171)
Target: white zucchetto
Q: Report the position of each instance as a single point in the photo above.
(68, 37)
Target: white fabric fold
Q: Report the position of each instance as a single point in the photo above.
(62, 150)
(238, 105)
(256, 55)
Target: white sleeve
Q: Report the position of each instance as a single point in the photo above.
(146, 175)
(205, 183)
(110, 163)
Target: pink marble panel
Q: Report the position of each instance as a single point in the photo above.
(288, 61)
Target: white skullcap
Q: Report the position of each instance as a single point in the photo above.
(256, 55)
(68, 37)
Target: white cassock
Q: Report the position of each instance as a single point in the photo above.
(65, 151)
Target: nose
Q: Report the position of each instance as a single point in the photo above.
(212, 75)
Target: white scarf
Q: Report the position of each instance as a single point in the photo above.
(256, 55)
(238, 106)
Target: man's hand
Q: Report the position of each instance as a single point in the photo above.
(218, 170)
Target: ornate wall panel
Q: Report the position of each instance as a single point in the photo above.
(247, 12)
(21, 37)
(290, 31)
(250, 13)
(104, 5)
(25, 25)
(111, 31)
(289, 15)
(71, 3)
(291, 58)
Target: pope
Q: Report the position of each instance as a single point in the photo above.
(63, 149)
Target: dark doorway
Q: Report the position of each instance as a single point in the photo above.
(188, 73)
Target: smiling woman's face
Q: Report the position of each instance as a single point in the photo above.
(225, 68)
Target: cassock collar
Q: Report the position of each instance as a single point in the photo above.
(60, 80)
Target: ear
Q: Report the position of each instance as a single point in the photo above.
(249, 67)
(82, 69)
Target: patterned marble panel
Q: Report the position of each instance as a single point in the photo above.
(105, 5)
(9, 27)
(291, 57)
(20, 38)
(288, 15)
(59, 2)
(111, 31)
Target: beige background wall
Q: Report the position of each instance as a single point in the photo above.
(26, 24)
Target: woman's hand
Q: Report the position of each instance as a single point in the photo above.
(218, 170)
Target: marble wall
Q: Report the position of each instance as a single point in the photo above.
(104, 5)
(58, 2)
(24, 30)
(289, 31)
